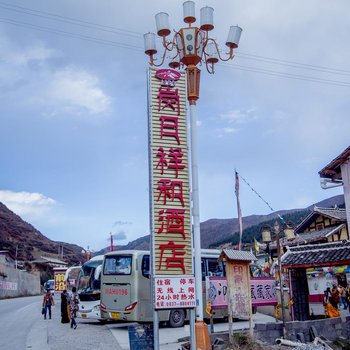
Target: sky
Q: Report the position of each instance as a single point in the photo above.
(73, 111)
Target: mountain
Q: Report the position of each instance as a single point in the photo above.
(16, 234)
(216, 232)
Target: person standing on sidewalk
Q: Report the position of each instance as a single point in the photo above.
(64, 307)
(47, 303)
(73, 307)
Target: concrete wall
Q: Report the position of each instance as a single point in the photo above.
(15, 283)
(331, 328)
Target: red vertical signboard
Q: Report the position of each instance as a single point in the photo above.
(169, 182)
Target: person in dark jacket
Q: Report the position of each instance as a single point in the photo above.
(64, 307)
(47, 303)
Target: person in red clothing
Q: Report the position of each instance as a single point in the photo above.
(47, 303)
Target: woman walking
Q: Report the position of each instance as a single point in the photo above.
(47, 303)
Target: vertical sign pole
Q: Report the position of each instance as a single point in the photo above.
(195, 213)
(249, 302)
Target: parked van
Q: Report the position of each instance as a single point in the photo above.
(50, 285)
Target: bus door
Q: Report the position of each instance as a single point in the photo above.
(116, 288)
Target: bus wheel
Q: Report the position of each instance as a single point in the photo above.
(177, 318)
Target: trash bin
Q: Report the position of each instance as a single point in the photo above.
(141, 337)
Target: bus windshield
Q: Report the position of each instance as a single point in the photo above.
(89, 280)
(117, 265)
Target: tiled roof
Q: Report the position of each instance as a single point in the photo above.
(333, 167)
(238, 255)
(334, 213)
(317, 254)
(47, 260)
(309, 237)
(337, 214)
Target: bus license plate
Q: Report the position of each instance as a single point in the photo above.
(83, 315)
(116, 315)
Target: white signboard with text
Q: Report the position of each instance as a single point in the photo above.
(175, 292)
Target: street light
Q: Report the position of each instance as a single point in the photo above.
(277, 229)
(186, 48)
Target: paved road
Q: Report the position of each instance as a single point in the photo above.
(23, 327)
(16, 318)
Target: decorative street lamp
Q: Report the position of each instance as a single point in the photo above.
(187, 48)
(277, 229)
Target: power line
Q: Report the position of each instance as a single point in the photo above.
(111, 29)
(280, 217)
(324, 70)
(137, 48)
(292, 63)
(70, 34)
(65, 19)
(286, 75)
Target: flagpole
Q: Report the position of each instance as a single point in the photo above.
(239, 211)
(111, 244)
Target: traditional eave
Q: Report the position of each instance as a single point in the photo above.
(237, 255)
(332, 170)
(309, 237)
(43, 260)
(325, 254)
(337, 214)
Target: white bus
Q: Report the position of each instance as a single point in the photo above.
(89, 288)
(126, 287)
(71, 277)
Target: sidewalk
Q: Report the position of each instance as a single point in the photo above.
(53, 335)
(169, 337)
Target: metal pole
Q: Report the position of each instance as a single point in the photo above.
(195, 213)
(192, 328)
(155, 330)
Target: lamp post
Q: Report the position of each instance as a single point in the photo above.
(187, 48)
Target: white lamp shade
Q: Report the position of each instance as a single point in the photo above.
(233, 37)
(189, 11)
(207, 18)
(150, 43)
(212, 53)
(162, 23)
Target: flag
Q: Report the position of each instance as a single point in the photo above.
(239, 211)
(256, 246)
(208, 307)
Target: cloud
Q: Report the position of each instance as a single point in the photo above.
(58, 90)
(224, 131)
(22, 56)
(119, 236)
(239, 116)
(121, 223)
(27, 205)
(78, 91)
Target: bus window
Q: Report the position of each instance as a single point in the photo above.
(214, 268)
(203, 269)
(145, 266)
(117, 265)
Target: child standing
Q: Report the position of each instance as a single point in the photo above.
(73, 307)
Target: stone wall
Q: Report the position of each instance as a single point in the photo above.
(16, 283)
(330, 328)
